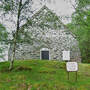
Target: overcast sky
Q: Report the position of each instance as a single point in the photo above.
(60, 7)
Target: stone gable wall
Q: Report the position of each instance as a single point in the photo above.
(47, 31)
(55, 40)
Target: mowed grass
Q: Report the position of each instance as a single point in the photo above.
(42, 75)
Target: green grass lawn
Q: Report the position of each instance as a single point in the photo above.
(42, 75)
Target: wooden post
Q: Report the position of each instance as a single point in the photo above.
(76, 76)
(68, 75)
(72, 67)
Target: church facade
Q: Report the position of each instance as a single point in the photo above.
(46, 38)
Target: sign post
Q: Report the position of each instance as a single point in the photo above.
(68, 75)
(72, 67)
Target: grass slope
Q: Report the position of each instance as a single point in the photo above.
(42, 75)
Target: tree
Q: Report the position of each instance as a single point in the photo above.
(19, 9)
(80, 26)
(22, 11)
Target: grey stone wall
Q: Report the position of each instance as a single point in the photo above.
(47, 31)
(55, 40)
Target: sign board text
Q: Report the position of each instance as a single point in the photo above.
(72, 66)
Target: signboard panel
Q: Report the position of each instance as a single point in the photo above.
(66, 55)
(72, 66)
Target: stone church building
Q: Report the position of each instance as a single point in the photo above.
(45, 37)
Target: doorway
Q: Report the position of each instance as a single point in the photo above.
(44, 54)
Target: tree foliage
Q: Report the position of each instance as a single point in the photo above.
(21, 10)
(3, 33)
(80, 26)
(3, 39)
(82, 3)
